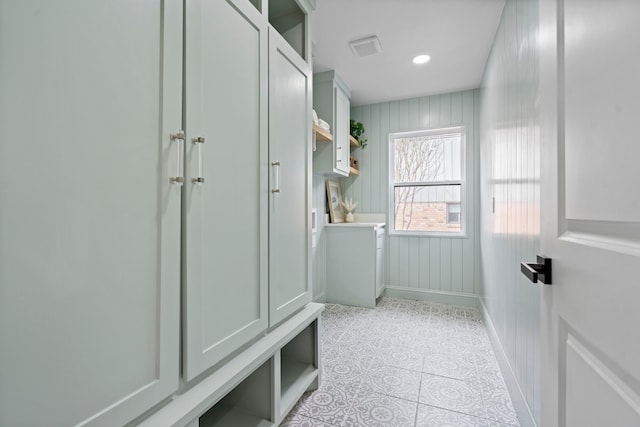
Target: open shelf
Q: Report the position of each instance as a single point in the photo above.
(247, 405)
(354, 172)
(288, 19)
(257, 4)
(298, 367)
(296, 379)
(223, 415)
(321, 134)
(354, 142)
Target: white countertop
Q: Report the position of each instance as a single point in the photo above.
(371, 220)
(374, 225)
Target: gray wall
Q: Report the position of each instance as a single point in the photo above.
(510, 170)
(441, 264)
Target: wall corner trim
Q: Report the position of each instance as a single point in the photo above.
(320, 298)
(517, 397)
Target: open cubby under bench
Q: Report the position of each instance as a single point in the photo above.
(259, 386)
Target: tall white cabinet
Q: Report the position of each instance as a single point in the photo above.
(225, 220)
(247, 214)
(89, 221)
(154, 210)
(290, 189)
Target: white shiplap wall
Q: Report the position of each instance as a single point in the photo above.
(441, 264)
(510, 171)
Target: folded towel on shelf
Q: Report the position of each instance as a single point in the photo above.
(315, 117)
(324, 125)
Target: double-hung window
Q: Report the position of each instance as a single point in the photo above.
(426, 182)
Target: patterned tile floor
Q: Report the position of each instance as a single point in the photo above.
(405, 363)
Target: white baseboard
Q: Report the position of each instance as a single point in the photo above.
(435, 296)
(517, 397)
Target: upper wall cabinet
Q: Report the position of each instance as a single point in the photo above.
(226, 233)
(331, 102)
(89, 219)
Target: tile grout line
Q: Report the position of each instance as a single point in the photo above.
(415, 419)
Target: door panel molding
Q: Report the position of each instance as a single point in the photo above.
(615, 236)
(599, 117)
(595, 229)
(589, 377)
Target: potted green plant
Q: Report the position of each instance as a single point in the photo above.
(357, 129)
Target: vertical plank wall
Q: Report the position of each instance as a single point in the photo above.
(445, 267)
(510, 171)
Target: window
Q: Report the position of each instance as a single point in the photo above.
(426, 181)
(453, 213)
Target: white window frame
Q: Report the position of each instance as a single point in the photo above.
(462, 182)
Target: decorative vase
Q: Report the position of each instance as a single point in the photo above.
(349, 205)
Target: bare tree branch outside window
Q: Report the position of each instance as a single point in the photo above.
(422, 160)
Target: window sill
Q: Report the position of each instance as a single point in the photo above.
(461, 235)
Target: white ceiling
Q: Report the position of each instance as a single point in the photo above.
(457, 34)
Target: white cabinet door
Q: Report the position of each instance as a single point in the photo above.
(226, 226)
(290, 185)
(89, 222)
(342, 130)
(352, 264)
(590, 207)
(379, 262)
(331, 102)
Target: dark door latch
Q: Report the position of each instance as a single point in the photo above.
(540, 271)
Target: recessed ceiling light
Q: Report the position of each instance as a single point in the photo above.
(421, 59)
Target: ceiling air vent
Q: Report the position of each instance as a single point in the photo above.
(366, 46)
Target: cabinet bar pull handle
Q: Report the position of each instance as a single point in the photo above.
(276, 167)
(178, 138)
(199, 141)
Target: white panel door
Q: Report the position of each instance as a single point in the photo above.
(342, 130)
(290, 181)
(225, 275)
(89, 222)
(590, 104)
